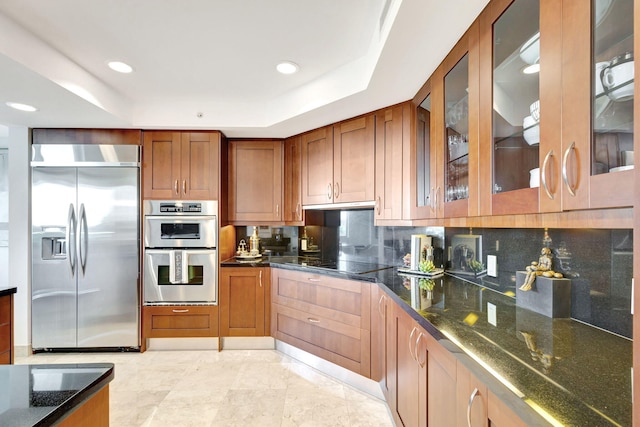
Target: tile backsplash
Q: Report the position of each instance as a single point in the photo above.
(598, 262)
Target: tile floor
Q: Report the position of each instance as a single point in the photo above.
(229, 388)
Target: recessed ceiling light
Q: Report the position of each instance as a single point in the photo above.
(22, 107)
(287, 67)
(531, 69)
(120, 67)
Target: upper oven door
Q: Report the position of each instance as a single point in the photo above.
(180, 232)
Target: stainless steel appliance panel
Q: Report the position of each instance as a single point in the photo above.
(180, 231)
(54, 293)
(108, 218)
(194, 282)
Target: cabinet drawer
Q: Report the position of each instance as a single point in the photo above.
(180, 321)
(5, 310)
(337, 342)
(5, 338)
(344, 301)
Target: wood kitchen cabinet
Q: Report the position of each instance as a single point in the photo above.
(425, 197)
(570, 152)
(455, 90)
(409, 407)
(293, 212)
(255, 182)
(338, 163)
(177, 321)
(471, 399)
(6, 330)
(244, 301)
(381, 341)
(181, 165)
(325, 316)
(393, 127)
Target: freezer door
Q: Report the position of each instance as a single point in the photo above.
(108, 303)
(53, 283)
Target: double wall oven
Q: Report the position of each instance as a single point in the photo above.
(180, 257)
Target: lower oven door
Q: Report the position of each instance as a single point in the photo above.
(180, 276)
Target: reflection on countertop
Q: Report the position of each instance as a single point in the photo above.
(579, 374)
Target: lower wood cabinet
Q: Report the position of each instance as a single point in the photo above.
(6, 330)
(179, 321)
(325, 316)
(244, 301)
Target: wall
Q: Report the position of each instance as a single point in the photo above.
(20, 234)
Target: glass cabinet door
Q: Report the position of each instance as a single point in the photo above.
(613, 86)
(456, 98)
(514, 134)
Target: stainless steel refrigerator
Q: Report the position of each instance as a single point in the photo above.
(85, 246)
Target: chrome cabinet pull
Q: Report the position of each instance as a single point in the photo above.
(313, 320)
(330, 193)
(297, 210)
(382, 298)
(471, 398)
(435, 201)
(565, 175)
(277, 209)
(260, 278)
(418, 359)
(378, 206)
(543, 174)
(413, 331)
(184, 186)
(336, 191)
(175, 188)
(186, 310)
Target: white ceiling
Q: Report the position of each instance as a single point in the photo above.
(217, 58)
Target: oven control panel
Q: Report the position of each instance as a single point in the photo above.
(180, 207)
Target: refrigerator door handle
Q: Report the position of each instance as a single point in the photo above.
(83, 238)
(71, 252)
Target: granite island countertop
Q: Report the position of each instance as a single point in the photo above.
(576, 373)
(41, 395)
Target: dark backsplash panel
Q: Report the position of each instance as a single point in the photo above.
(598, 262)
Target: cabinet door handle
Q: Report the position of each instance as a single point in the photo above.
(186, 310)
(435, 199)
(421, 363)
(378, 206)
(260, 277)
(311, 279)
(313, 320)
(330, 192)
(184, 186)
(543, 174)
(297, 210)
(471, 398)
(336, 189)
(382, 298)
(412, 347)
(175, 188)
(565, 175)
(277, 209)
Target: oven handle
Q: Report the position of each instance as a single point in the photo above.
(180, 218)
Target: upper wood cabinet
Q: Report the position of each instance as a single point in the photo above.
(455, 90)
(338, 163)
(181, 165)
(425, 195)
(255, 181)
(559, 139)
(393, 127)
(293, 212)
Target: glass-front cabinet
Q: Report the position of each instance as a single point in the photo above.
(458, 82)
(511, 126)
(598, 104)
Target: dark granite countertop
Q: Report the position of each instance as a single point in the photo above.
(577, 374)
(41, 395)
(7, 291)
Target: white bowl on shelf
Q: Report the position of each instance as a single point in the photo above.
(534, 178)
(534, 109)
(531, 130)
(530, 51)
(617, 77)
(597, 78)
